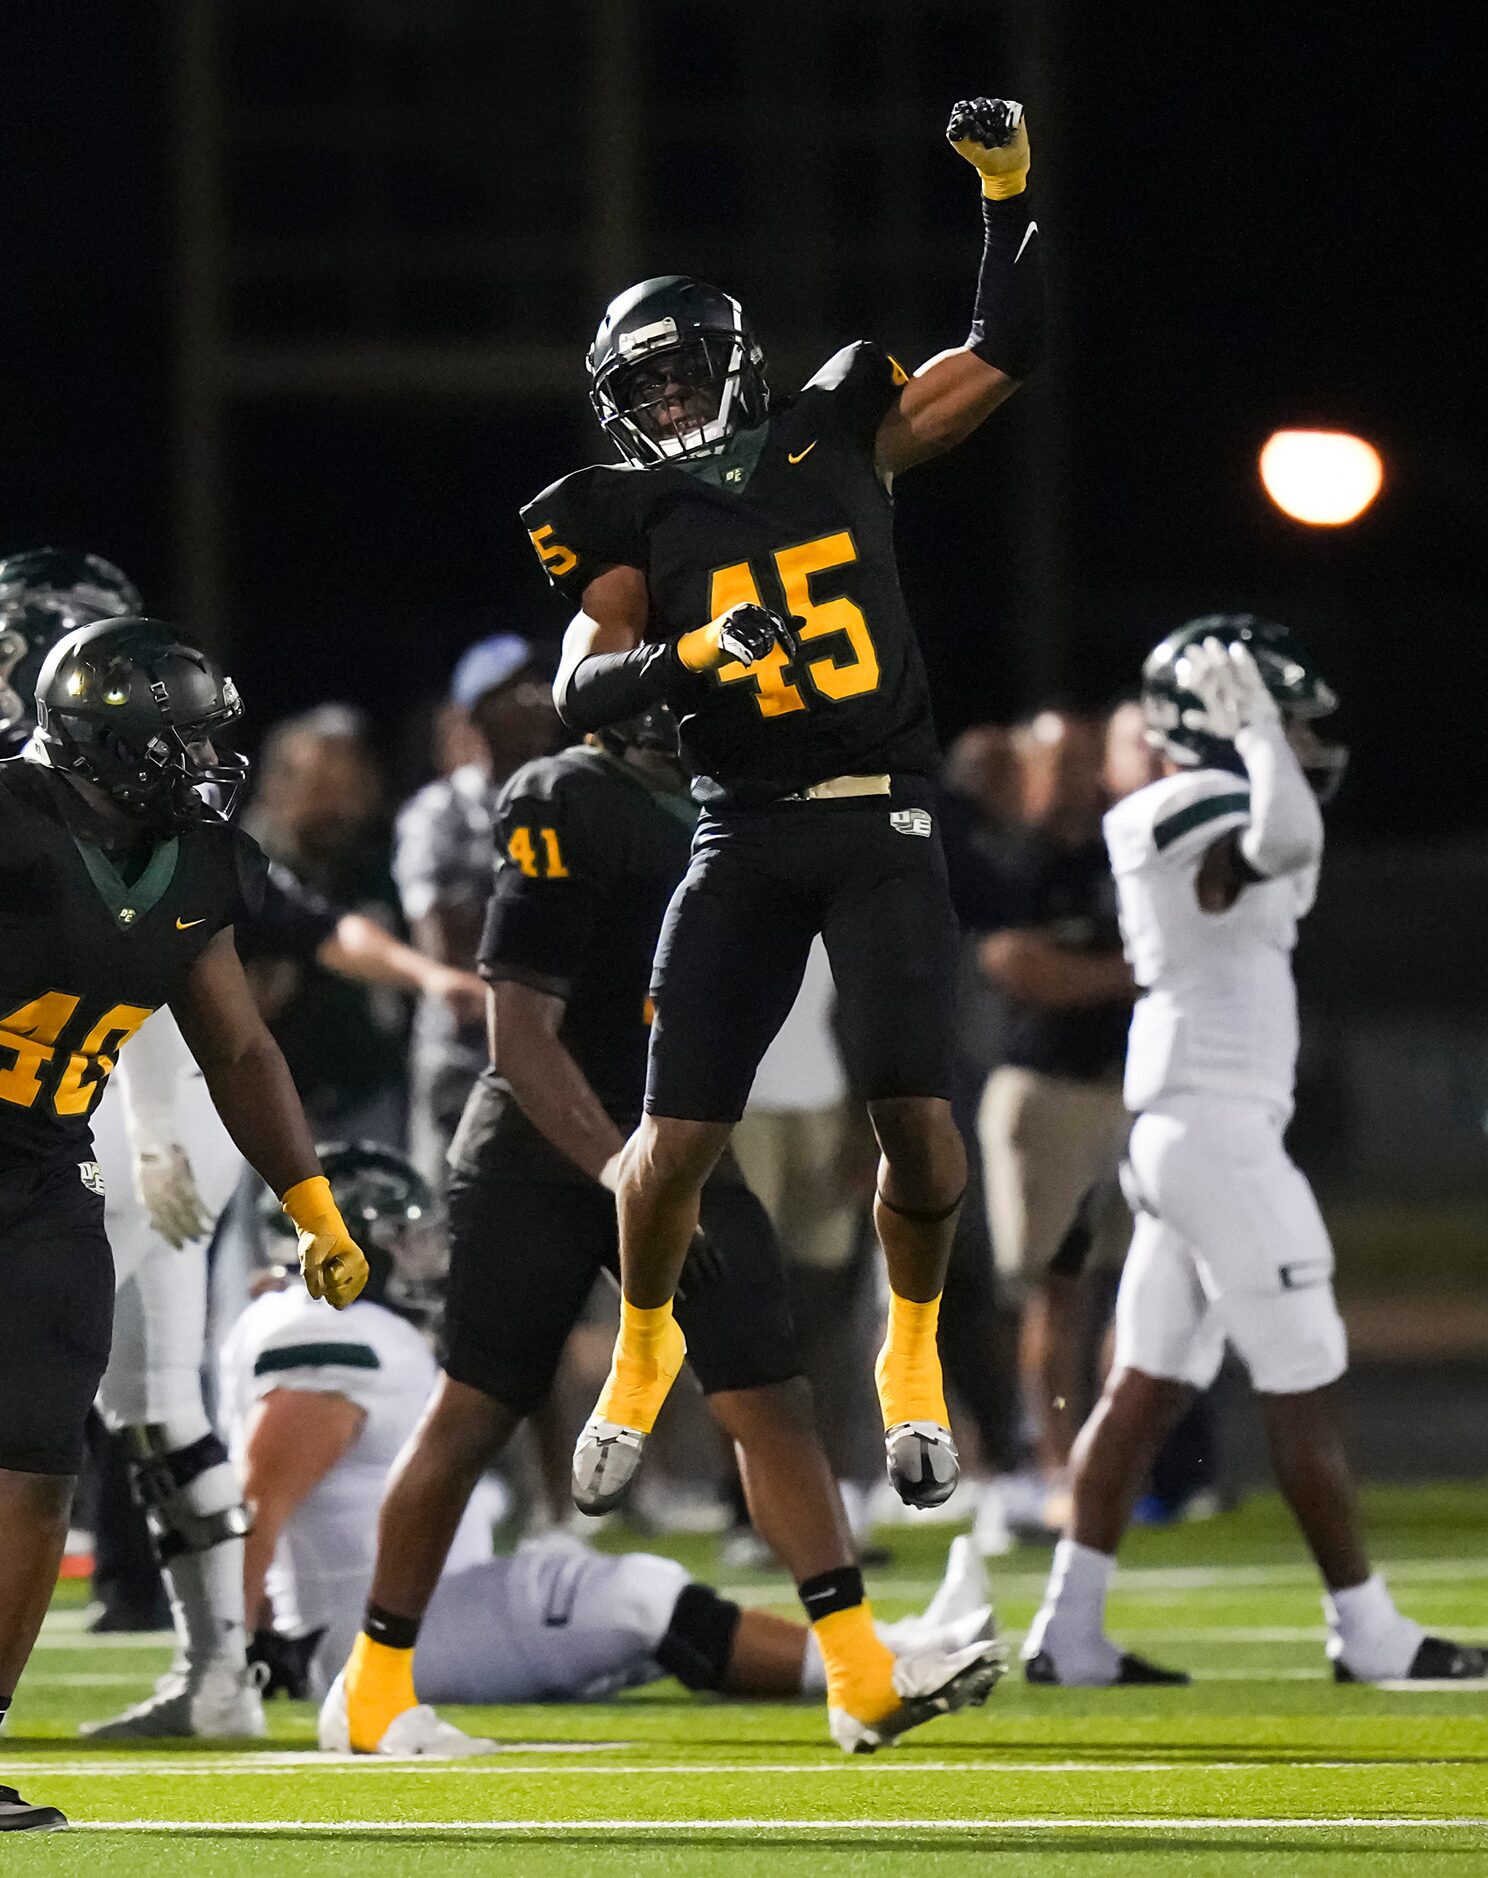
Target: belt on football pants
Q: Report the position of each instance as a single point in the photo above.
(840, 788)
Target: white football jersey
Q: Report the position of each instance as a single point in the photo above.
(1219, 1009)
(288, 1340)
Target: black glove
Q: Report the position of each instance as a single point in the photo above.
(748, 633)
(283, 1662)
(702, 1266)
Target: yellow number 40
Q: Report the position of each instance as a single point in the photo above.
(833, 677)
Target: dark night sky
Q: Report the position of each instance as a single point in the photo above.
(1265, 207)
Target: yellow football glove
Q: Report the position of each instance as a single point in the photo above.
(991, 135)
(334, 1266)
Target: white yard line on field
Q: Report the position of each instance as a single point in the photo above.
(550, 1828)
(251, 1765)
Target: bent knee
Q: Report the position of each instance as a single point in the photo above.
(922, 1147)
(666, 1153)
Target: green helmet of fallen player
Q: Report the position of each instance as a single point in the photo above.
(391, 1213)
(129, 707)
(45, 593)
(1301, 693)
(675, 371)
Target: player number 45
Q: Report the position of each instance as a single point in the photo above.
(835, 677)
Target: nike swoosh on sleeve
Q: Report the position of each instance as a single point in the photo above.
(1032, 229)
(796, 458)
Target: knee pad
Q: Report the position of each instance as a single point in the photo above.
(699, 1639)
(187, 1488)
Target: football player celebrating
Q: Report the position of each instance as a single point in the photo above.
(120, 885)
(740, 566)
(318, 1406)
(1215, 864)
(595, 840)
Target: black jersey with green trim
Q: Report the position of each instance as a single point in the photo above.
(88, 949)
(590, 851)
(795, 515)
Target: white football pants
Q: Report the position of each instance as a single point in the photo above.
(1228, 1246)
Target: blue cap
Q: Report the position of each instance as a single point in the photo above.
(488, 664)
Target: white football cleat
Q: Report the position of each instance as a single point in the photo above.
(923, 1463)
(929, 1682)
(607, 1458)
(418, 1733)
(219, 1701)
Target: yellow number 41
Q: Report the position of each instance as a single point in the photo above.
(545, 866)
(833, 677)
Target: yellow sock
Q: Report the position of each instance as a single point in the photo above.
(908, 1368)
(379, 1687)
(859, 1664)
(648, 1353)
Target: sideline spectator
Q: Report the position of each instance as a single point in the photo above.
(321, 809)
(1051, 1121)
(443, 860)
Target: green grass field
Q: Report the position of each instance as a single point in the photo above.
(1264, 1765)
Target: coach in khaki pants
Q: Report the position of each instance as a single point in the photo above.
(1041, 909)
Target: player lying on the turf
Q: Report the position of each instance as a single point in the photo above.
(319, 1406)
(1215, 863)
(120, 883)
(594, 841)
(168, 1168)
(739, 566)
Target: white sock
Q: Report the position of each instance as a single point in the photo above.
(1071, 1623)
(1370, 1637)
(813, 1669)
(206, 1599)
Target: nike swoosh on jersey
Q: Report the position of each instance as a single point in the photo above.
(796, 458)
(184, 925)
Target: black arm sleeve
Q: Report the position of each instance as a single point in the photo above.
(1007, 322)
(608, 687)
(284, 919)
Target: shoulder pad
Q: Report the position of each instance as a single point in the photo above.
(1175, 819)
(863, 362)
(548, 815)
(584, 523)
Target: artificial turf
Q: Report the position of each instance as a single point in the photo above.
(1263, 1765)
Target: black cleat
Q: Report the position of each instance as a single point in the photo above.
(1130, 1670)
(1437, 1660)
(18, 1815)
(923, 1463)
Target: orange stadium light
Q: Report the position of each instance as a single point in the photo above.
(1323, 477)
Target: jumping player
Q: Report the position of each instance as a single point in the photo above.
(740, 566)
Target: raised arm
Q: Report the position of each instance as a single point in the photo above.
(953, 393)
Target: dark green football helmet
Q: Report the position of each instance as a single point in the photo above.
(393, 1217)
(1300, 691)
(44, 594)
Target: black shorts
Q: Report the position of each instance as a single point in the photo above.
(525, 1254)
(57, 1313)
(869, 875)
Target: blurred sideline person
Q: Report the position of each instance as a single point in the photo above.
(320, 809)
(1216, 863)
(1050, 1121)
(121, 882)
(319, 1407)
(593, 842)
(443, 854)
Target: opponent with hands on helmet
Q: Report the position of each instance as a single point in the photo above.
(1215, 863)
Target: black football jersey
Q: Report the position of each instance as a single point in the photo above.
(86, 954)
(795, 516)
(590, 852)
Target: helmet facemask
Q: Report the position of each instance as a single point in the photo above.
(665, 401)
